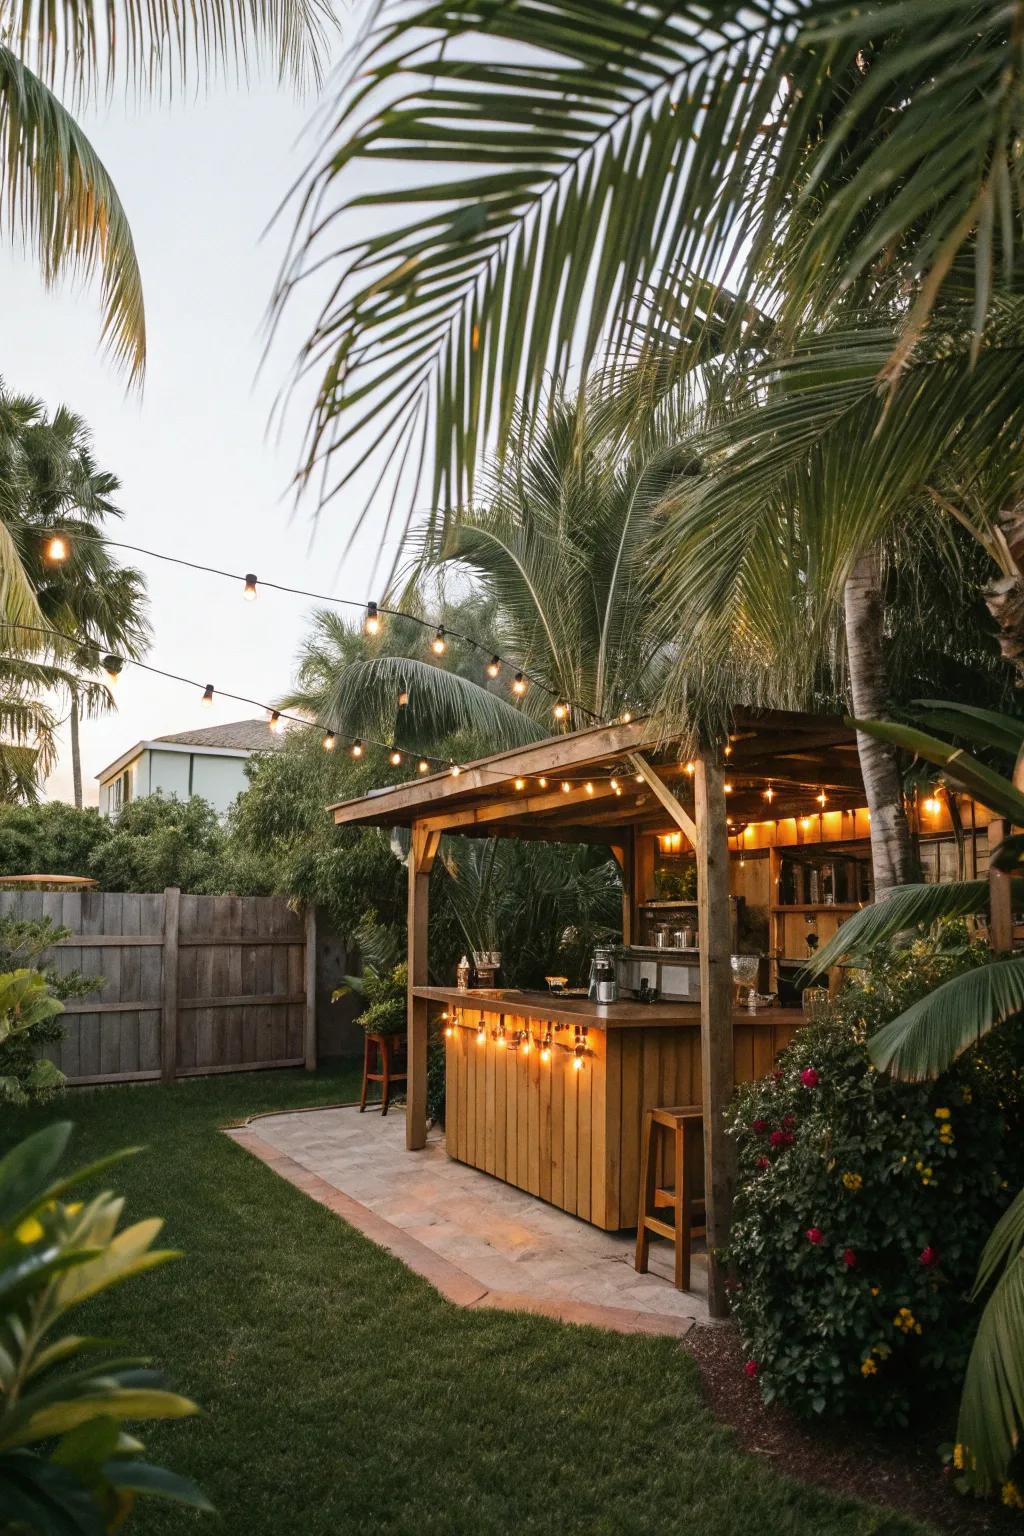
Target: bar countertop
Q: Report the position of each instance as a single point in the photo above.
(626, 1014)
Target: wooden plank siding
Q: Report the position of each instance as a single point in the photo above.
(573, 1138)
(189, 985)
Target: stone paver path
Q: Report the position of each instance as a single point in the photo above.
(481, 1242)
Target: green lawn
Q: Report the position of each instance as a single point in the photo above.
(341, 1394)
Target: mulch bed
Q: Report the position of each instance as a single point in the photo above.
(902, 1472)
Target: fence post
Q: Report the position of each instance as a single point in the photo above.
(169, 1010)
(309, 1034)
(1000, 926)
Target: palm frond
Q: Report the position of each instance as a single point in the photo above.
(992, 1405)
(18, 602)
(929, 1036)
(990, 727)
(906, 907)
(60, 200)
(959, 768)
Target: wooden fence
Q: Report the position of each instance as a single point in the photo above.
(191, 984)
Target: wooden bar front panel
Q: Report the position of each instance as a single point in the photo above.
(573, 1138)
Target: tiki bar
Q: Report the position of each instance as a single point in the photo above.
(606, 1099)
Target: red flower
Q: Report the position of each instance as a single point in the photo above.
(814, 1235)
(780, 1139)
(849, 1258)
(809, 1077)
(751, 1369)
(788, 1122)
(763, 1162)
(928, 1257)
(760, 1126)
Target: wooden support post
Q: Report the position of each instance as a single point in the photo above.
(309, 1050)
(622, 849)
(1000, 923)
(169, 987)
(716, 1055)
(423, 845)
(665, 797)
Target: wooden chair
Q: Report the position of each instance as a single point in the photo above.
(379, 1054)
(684, 1199)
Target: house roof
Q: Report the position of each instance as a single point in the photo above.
(242, 735)
(239, 738)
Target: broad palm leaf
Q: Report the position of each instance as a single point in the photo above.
(992, 1405)
(811, 146)
(56, 195)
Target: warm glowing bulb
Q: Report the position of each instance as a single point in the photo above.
(691, 768)
(493, 666)
(527, 1044)
(769, 794)
(249, 590)
(805, 822)
(449, 1031)
(519, 685)
(439, 644)
(728, 750)
(577, 1063)
(613, 783)
(821, 798)
(640, 779)
(566, 786)
(560, 710)
(627, 717)
(57, 548)
(727, 789)
(542, 782)
(207, 697)
(403, 699)
(357, 748)
(371, 624)
(394, 757)
(618, 793)
(422, 766)
(328, 742)
(481, 1036)
(454, 770)
(276, 723)
(589, 787)
(520, 783)
(932, 806)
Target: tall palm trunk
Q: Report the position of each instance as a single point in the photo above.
(76, 756)
(891, 853)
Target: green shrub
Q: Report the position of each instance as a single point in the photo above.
(863, 1203)
(25, 1074)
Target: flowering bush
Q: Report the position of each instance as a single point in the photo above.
(863, 1203)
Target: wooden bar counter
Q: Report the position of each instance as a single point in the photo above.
(573, 1137)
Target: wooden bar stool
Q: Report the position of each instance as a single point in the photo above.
(686, 1126)
(379, 1053)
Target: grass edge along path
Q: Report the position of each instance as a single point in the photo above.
(341, 1393)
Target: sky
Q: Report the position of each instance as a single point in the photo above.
(202, 476)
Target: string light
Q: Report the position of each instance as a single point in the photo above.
(56, 549)
(249, 590)
(356, 748)
(640, 779)
(727, 789)
(526, 1042)
(493, 666)
(520, 783)
(821, 798)
(276, 723)
(519, 685)
(769, 794)
(691, 769)
(566, 787)
(328, 742)
(560, 710)
(422, 766)
(403, 699)
(542, 781)
(932, 806)
(626, 717)
(589, 787)
(454, 770)
(439, 644)
(805, 822)
(394, 757)
(613, 783)
(371, 624)
(207, 697)
(481, 1034)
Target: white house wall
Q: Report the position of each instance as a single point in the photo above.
(219, 780)
(168, 775)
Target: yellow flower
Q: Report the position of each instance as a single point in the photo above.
(852, 1180)
(874, 1290)
(959, 1458)
(868, 1367)
(942, 1114)
(30, 1230)
(906, 1322)
(1012, 1496)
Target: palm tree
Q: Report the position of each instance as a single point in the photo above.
(58, 198)
(813, 151)
(557, 551)
(924, 1041)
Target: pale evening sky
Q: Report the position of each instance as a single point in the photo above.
(201, 475)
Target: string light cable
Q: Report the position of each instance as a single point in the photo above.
(58, 549)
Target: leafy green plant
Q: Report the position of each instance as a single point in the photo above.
(864, 1203)
(24, 1074)
(922, 1040)
(67, 1465)
(26, 1007)
(384, 981)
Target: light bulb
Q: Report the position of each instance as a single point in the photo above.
(627, 717)
(560, 710)
(481, 1036)
(640, 779)
(328, 742)
(728, 750)
(545, 1053)
(207, 697)
(613, 783)
(454, 770)
(520, 783)
(449, 1031)
(249, 590)
(566, 786)
(589, 787)
(542, 781)
(371, 624)
(57, 548)
(394, 757)
(527, 1043)
(691, 769)
(805, 822)
(932, 806)
(577, 1063)
(357, 748)
(519, 685)
(493, 666)
(422, 766)
(439, 644)
(112, 666)
(727, 789)
(821, 798)
(276, 723)
(769, 794)
(403, 699)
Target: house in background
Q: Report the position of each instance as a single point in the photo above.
(210, 763)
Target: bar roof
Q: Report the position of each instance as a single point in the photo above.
(799, 754)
